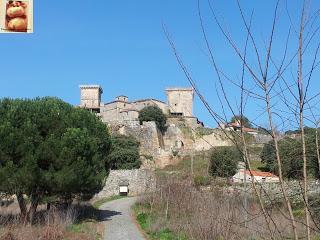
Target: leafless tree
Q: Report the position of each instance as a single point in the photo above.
(272, 83)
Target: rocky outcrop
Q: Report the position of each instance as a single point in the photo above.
(181, 138)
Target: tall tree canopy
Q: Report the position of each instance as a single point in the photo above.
(50, 148)
(153, 113)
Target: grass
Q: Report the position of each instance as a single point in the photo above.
(255, 149)
(298, 213)
(145, 220)
(78, 222)
(186, 130)
(183, 168)
(97, 204)
(203, 131)
(86, 228)
(200, 167)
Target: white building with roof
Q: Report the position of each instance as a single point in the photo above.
(245, 175)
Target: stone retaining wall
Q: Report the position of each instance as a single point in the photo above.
(271, 192)
(140, 181)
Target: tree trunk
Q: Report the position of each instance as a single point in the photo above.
(23, 208)
(318, 150)
(301, 115)
(33, 207)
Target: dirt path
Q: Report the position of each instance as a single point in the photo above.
(120, 224)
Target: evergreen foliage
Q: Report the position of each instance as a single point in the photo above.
(291, 156)
(224, 161)
(49, 148)
(124, 152)
(153, 113)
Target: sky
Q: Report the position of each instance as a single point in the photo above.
(121, 45)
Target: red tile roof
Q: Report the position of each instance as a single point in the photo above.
(237, 125)
(259, 174)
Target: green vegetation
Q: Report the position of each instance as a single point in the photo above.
(224, 161)
(124, 152)
(97, 204)
(186, 130)
(307, 130)
(203, 131)
(49, 148)
(153, 113)
(87, 228)
(146, 220)
(255, 150)
(201, 181)
(291, 156)
(183, 168)
(257, 165)
(148, 157)
(249, 138)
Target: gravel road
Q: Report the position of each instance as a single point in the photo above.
(119, 223)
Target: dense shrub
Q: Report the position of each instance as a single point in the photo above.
(124, 152)
(153, 113)
(224, 161)
(201, 181)
(291, 157)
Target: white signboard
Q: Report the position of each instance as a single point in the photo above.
(123, 189)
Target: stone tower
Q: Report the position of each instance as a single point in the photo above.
(180, 101)
(90, 97)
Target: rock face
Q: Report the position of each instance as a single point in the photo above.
(181, 138)
(147, 134)
(140, 181)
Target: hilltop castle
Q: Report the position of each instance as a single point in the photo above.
(156, 148)
(121, 110)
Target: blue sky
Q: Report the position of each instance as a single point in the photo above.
(121, 46)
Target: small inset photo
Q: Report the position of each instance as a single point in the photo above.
(17, 16)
